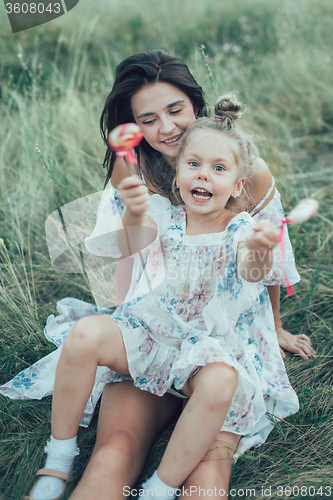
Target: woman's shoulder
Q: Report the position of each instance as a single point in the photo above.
(261, 184)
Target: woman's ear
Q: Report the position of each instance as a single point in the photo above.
(238, 188)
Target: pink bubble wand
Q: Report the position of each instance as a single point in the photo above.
(123, 139)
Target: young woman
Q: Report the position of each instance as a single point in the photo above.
(157, 91)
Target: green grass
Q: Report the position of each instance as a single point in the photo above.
(277, 55)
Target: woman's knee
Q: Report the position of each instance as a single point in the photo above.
(117, 455)
(217, 382)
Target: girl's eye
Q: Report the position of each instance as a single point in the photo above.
(193, 163)
(219, 168)
(174, 112)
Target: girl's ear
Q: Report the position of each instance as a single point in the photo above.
(238, 188)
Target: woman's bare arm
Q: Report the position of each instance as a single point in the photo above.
(259, 185)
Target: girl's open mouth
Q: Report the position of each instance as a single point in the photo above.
(201, 194)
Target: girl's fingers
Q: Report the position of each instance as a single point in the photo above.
(136, 195)
(130, 182)
(131, 192)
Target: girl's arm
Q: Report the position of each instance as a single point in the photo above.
(120, 171)
(297, 344)
(139, 229)
(255, 255)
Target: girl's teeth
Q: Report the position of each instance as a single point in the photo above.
(204, 194)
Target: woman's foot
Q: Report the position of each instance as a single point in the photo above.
(60, 457)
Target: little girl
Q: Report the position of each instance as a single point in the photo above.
(198, 331)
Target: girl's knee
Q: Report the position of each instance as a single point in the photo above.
(85, 337)
(217, 382)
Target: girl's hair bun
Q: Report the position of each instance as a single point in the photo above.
(228, 108)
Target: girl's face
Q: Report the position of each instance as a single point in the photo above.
(208, 173)
(163, 113)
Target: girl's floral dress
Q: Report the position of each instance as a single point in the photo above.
(187, 306)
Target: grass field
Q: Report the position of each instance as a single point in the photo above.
(53, 82)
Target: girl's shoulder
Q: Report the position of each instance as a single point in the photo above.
(241, 222)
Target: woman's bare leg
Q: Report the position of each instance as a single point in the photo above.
(212, 388)
(214, 470)
(129, 421)
(93, 341)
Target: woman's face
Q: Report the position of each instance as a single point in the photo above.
(163, 113)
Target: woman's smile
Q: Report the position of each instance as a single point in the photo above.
(173, 141)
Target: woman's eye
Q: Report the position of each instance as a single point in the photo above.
(175, 111)
(219, 168)
(148, 122)
(193, 163)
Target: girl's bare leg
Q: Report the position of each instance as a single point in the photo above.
(212, 391)
(93, 341)
(214, 470)
(129, 421)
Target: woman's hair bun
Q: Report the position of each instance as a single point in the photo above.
(228, 108)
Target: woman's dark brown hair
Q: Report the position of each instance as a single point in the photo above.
(147, 68)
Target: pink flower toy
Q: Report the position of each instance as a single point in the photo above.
(123, 139)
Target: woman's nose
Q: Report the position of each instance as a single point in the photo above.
(166, 125)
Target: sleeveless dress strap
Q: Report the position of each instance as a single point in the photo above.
(262, 201)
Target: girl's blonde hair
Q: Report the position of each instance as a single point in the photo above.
(227, 112)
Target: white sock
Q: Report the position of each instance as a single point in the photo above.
(155, 488)
(60, 456)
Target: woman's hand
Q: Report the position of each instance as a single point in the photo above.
(134, 194)
(297, 344)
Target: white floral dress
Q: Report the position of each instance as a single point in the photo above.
(199, 310)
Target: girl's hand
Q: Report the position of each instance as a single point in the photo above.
(265, 237)
(134, 194)
(297, 344)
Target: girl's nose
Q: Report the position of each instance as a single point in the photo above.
(203, 174)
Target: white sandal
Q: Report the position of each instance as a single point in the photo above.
(51, 473)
